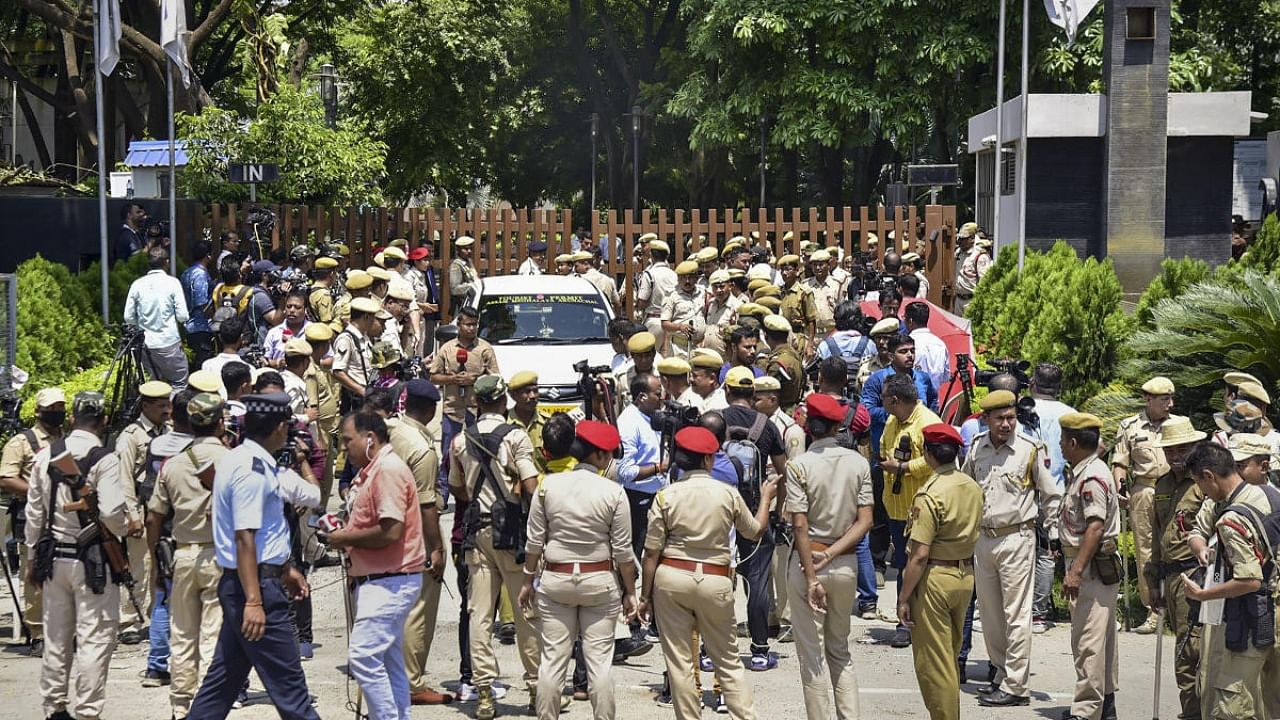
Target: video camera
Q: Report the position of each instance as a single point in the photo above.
(1017, 368)
(285, 280)
(299, 439)
(594, 379)
(254, 355)
(672, 418)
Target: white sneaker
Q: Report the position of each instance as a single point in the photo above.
(1039, 627)
(467, 692)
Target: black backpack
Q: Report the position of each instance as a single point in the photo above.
(228, 306)
(1266, 528)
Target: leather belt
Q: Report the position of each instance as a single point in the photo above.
(1007, 530)
(66, 551)
(580, 567)
(816, 546)
(967, 562)
(1172, 569)
(694, 566)
(379, 576)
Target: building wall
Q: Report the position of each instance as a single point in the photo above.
(1064, 194)
(1198, 198)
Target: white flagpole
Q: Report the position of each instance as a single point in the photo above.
(1023, 136)
(173, 182)
(103, 176)
(995, 187)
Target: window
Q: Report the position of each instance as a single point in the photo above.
(1009, 170)
(985, 212)
(541, 319)
(1140, 23)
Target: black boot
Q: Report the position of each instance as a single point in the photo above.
(1109, 707)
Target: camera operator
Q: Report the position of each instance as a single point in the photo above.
(643, 467)
(1044, 425)
(16, 461)
(263, 314)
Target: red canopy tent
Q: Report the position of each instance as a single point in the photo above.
(954, 331)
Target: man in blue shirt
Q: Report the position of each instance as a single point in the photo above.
(252, 546)
(642, 469)
(197, 287)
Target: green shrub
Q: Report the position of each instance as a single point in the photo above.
(90, 379)
(59, 328)
(1264, 252)
(119, 278)
(1174, 279)
(989, 297)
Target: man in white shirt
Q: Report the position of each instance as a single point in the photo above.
(157, 305)
(932, 356)
(537, 258)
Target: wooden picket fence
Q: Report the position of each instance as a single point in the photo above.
(503, 233)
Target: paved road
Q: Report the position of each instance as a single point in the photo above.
(886, 675)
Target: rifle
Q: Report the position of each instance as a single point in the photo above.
(85, 505)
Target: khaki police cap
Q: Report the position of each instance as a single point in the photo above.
(736, 273)
(49, 397)
(760, 272)
(887, 326)
(341, 249)
(205, 381)
(688, 267)
(673, 366)
(913, 258)
(395, 252)
(1080, 421)
(642, 342)
(998, 400)
(770, 302)
(983, 242)
(776, 323)
(379, 273)
(1253, 390)
(366, 305)
(872, 240)
(1158, 385)
(1235, 377)
(359, 280)
(464, 241)
(740, 377)
(400, 292)
(658, 245)
(318, 332)
(969, 229)
(786, 236)
(564, 258)
(820, 256)
(752, 309)
(297, 346)
(377, 260)
(326, 263)
(399, 243)
(719, 276)
(522, 379)
(786, 260)
(765, 291)
(767, 383)
(756, 284)
(647, 237)
(706, 358)
(155, 389)
(707, 254)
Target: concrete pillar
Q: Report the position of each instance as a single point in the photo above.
(1136, 73)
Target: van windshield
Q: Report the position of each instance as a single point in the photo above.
(561, 318)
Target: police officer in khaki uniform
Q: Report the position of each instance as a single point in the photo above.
(829, 499)
(682, 311)
(688, 579)
(513, 468)
(1137, 462)
(937, 581)
(81, 599)
(1013, 471)
(580, 523)
(719, 311)
(358, 285)
(353, 366)
(1175, 502)
(131, 447)
(462, 273)
(323, 394)
(416, 445)
(1230, 679)
(653, 286)
(1089, 530)
(798, 305)
(783, 363)
(15, 475)
(321, 298)
(826, 291)
(674, 373)
(183, 488)
(523, 389)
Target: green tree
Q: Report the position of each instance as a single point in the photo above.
(318, 164)
(1174, 279)
(59, 329)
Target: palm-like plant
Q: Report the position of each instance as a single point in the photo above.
(1212, 328)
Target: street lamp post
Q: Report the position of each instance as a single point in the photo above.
(635, 161)
(329, 94)
(595, 133)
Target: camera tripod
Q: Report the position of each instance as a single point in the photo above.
(952, 412)
(126, 373)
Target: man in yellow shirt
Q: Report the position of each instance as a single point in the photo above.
(905, 469)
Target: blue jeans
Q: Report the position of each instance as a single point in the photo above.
(754, 564)
(449, 428)
(158, 655)
(868, 595)
(966, 638)
(376, 652)
(274, 656)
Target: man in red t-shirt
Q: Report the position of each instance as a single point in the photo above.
(385, 555)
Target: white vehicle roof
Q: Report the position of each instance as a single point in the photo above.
(535, 284)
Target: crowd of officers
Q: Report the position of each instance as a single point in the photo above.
(590, 537)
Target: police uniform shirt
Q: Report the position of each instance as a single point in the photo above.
(826, 295)
(179, 489)
(415, 444)
(945, 514)
(719, 316)
(683, 307)
(247, 495)
(462, 277)
(533, 429)
(296, 388)
(353, 354)
(1175, 497)
(321, 304)
(18, 456)
(1239, 549)
(1010, 476)
(580, 516)
(605, 285)
(322, 392)
(480, 361)
(131, 448)
(104, 476)
(1136, 450)
(691, 520)
(798, 306)
(785, 366)
(341, 312)
(828, 483)
(511, 465)
(791, 432)
(1090, 495)
(655, 283)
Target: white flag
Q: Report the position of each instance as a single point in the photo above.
(1068, 14)
(173, 35)
(108, 35)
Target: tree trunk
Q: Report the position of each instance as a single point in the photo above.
(33, 127)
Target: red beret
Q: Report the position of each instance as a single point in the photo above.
(942, 433)
(419, 253)
(697, 440)
(821, 405)
(599, 435)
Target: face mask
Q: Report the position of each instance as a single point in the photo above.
(53, 418)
